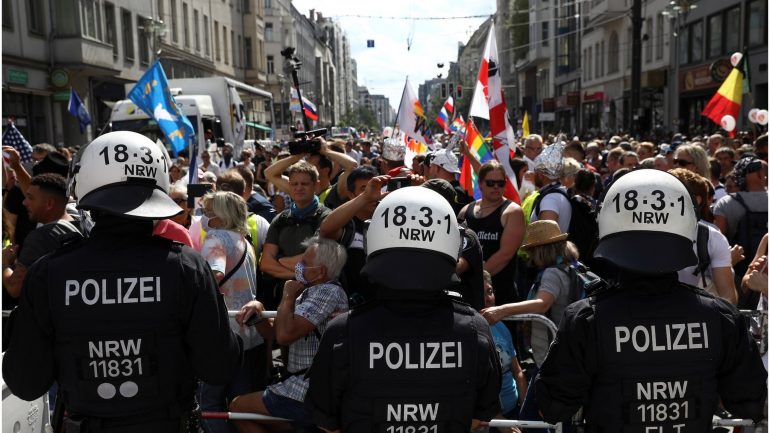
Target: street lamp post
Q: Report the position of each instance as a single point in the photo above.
(676, 11)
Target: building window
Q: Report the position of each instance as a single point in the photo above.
(589, 63)
(696, 42)
(217, 53)
(206, 36)
(601, 60)
(629, 44)
(172, 15)
(732, 22)
(7, 15)
(648, 47)
(186, 25)
(544, 33)
(197, 32)
(614, 54)
(240, 51)
(757, 22)
(684, 49)
(659, 37)
(268, 4)
(233, 48)
(128, 34)
(224, 45)
(270, 65)
(89, 16)
(144, 49)
(269, 32)
(35, 15)
(111, 31)
(247, 53)
(715, 35)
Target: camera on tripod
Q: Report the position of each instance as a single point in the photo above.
(304, 141)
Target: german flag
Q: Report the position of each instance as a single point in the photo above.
(728, 98)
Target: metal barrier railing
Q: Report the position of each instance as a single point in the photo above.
(534, 318)
(265, 314)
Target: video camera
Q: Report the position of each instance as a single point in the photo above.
(195, 190)
(306, 141)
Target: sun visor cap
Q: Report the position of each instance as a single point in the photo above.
(125, 173)
(648, 223)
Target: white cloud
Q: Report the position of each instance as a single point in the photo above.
(384, 68)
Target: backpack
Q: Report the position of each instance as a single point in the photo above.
(582, 282)
(704, 259)
(583, 228)
(751, 228)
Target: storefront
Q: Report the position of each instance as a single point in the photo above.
(27, 100)
(697, 86)
(592, 107)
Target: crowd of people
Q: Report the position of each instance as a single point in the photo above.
(287, 232)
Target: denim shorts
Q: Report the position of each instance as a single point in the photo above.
(284, 407)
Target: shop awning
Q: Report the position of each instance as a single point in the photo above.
(258, 126)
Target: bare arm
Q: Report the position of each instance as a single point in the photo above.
(288, 326)
(13, 279)
(510, 241)
(548, 215)
(269, 263)
(475, 163)
(274, 173)
(345, 163)
(725, 284)
(542, 302)
(14, 161)
(332, 225)
(521, 380)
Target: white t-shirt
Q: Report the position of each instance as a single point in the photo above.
(719, 252)
(556, 202)
(355, 155)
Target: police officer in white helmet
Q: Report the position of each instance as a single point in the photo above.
(414, 359)
(124, 322)
(650, 354)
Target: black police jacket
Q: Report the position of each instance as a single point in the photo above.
(124, 322)
(391, 364)
(651, 355)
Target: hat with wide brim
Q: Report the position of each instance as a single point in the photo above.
(542, 233)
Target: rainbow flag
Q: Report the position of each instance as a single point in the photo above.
(458, 126)
(413, 148)
(477, 145)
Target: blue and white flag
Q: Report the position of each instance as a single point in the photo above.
(12, 137)
(77, 109)
(152, 95)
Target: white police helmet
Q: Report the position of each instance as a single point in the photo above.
(648, 223)
(124, 173)
(413, 241)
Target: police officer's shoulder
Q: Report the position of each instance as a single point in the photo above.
(721, 305)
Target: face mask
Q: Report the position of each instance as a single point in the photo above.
(299, 273)
(205, 223)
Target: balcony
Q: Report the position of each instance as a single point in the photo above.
(80, 50)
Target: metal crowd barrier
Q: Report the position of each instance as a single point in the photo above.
(265, 314)
(527, 317)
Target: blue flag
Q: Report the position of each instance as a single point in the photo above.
(77, 109)
(152, 95)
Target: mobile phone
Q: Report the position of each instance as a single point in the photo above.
(395, 183)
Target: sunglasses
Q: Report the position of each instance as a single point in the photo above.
(179, 200)
(493, 183)
(682, 162)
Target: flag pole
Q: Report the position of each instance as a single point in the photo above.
(395, 122)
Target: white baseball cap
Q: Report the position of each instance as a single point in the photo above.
(445, 159)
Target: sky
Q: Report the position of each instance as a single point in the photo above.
(384, 68)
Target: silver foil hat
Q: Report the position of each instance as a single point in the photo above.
(549, 162)
(393, 149)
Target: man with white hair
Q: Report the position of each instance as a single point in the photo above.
(309, 302)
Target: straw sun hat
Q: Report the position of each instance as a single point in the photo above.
(543, 232)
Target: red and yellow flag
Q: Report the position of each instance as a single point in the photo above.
(728, 98)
